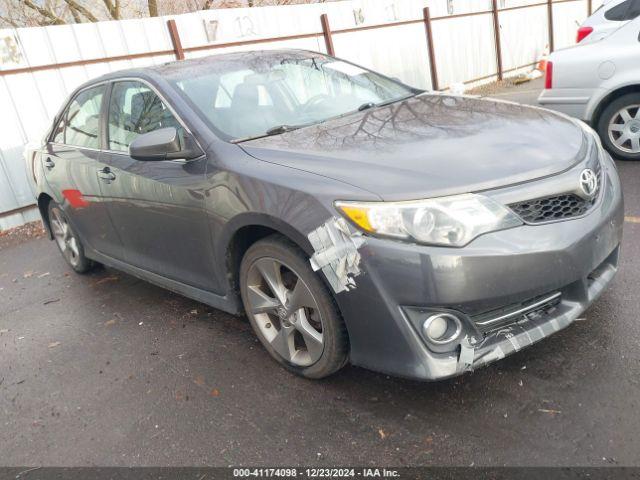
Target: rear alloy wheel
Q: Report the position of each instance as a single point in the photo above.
(619, 127)
(290, 309)
(67, 240)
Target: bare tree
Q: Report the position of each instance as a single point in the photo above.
(113, 7)
(29, 13)
(153, 8)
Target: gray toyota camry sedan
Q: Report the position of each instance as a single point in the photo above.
(351, 217)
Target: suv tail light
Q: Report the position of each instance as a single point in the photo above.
(548, 79)
(583, 32)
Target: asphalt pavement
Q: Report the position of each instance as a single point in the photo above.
(105, 369)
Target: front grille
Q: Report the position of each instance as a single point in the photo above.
(557, 207)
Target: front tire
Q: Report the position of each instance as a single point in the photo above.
(619, 127)
(67, 240)
(290, 309)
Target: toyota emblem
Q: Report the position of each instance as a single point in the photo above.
(589, 182)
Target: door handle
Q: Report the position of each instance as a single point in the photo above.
(49, 163)
(106, 174)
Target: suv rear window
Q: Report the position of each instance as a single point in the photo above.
(627, 10)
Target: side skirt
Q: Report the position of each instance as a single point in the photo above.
(226, 303)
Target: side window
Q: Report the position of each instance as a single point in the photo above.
(620, 12)
(80, 124)
(135, 109)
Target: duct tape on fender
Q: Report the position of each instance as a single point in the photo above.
(336, 253)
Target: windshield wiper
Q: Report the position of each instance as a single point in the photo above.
(366, 106)
(395, 100)
(280, 129)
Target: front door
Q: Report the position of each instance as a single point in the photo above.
(157, 206)
(72, 163)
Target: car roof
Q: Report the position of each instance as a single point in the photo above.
(169, 69)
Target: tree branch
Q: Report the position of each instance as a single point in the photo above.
(112, 9)
(80, 9)
(53, 19)
(75, 15)
(9, 21)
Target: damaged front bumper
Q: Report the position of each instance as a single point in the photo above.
(530, 330)
(570, 263)
(525, 327)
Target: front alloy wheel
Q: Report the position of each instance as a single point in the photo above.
(285, 311)
(290, 309)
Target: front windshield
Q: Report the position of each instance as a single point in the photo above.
(248, 95)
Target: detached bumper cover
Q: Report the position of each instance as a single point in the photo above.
(519, 335)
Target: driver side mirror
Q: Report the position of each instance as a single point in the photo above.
(164, 144)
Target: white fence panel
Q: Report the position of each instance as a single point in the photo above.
(398, 52)
(567, 17)
(465, 48)
(524, 35)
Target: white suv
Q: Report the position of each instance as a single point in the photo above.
(600, 83)
(607, 19)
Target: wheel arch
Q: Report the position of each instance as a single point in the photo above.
(610, 97)
(245, 230)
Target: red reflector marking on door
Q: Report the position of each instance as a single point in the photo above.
(75, 198)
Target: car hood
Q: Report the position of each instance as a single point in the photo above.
(431, 145)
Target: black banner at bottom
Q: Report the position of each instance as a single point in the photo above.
(286, 473)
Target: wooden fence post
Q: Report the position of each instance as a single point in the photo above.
(326, 31)
(550, 16)
(496, 31)
(432, 53)
(590, 7)
(175, 39)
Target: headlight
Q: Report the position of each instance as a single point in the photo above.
(450, 221)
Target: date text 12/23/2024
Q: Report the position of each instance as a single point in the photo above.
(315, 473)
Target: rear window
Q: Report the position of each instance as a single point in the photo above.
(627, 10)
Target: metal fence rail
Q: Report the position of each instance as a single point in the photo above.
(173, 45)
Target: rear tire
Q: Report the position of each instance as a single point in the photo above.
(67, 240)
(290, 309)
(619, 127)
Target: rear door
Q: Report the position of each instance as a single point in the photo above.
(157, 206)
(71, 162)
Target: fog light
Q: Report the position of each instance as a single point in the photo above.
(442, 328)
